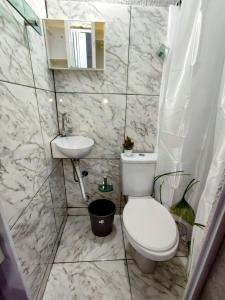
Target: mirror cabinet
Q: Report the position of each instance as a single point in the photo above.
(75, 45)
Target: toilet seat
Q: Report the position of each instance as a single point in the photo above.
(150, 228)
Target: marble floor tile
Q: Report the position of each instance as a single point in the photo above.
(78, 243)
(167, 282)
(89, 280)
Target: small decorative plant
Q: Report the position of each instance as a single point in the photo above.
(128, 144)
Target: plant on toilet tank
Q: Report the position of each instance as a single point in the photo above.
(128, 146)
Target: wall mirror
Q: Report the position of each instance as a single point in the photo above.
(74, 44)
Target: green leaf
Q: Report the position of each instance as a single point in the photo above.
(162, 175)
(199, 225)
(183, 210)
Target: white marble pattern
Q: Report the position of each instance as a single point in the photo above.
(99, 116)
(43, 77)
(141, 121)
(113, 79)
(49, 123)
(38, 7)
(166, 283)
(14, 51)
(58, 193)
(78, 243)
(96, 168)
(23, 163)
(148, 31)
(89, 280)
(34, 235)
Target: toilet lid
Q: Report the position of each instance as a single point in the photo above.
(149, 224)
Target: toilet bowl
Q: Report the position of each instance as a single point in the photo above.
(148, 225)
(151, 231)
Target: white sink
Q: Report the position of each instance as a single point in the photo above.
(71, 146)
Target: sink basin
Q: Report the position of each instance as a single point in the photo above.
(72, 146)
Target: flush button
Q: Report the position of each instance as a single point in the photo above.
(141, 154)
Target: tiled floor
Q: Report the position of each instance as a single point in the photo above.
(92, 268)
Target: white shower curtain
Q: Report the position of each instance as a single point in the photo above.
(191, 117)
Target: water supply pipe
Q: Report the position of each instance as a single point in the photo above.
(78, 177)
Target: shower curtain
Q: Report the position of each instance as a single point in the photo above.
(191, 112)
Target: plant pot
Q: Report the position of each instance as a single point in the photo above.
(128, 152)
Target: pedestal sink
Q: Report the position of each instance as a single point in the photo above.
(71, 146)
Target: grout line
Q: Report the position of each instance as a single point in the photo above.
(128, 53)
(25, 85)
(65, 189)
(56, 244)
(56, 102)
(25, 208)
(46, 8)
(126, 259)
(94, 93)
(128, 63)
(90, 261)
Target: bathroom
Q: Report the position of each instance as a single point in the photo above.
(151, 107)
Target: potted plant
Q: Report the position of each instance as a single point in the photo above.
(128, 146)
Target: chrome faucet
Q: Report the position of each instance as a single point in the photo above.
(63, 132)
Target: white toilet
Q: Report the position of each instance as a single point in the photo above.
(149, 226)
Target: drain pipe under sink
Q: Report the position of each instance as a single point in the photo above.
(78, 177)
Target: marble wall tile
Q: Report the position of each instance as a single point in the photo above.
(58, 193)
(96, 169)
(14, 52)
(89, 115)
(99, 280)
(43, 77)
(22, 163)
(141, 121)
(114, 78)
(49, 123)
(34, 235)
(167, 282)
(78, 243)
(148, 31)
(38, 7)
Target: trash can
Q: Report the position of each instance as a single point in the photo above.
(102, 213)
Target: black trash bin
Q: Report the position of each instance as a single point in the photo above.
(102, 213)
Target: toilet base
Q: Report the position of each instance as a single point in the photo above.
(147, 266)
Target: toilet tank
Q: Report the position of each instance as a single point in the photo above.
(138, 172)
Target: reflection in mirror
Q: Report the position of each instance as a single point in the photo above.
(82, 47)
